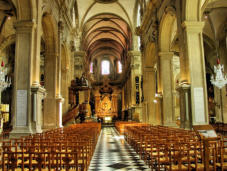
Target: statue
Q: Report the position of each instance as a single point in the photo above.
(219, 71)
(83, 80)
(219, 80)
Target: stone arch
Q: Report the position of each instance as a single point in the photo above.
(26, 9)
(51, 84)
(192, 10)
(135, 27)
(49, 32)
(9, 40)
(50, 39)
(166, 30)
(150, 57)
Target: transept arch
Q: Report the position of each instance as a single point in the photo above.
(166, 26)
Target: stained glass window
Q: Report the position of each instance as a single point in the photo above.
(119, 67)
(105, 67)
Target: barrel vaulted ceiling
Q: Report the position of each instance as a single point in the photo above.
(106, 27)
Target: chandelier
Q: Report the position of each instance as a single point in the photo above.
(220, 79)
(5, 81)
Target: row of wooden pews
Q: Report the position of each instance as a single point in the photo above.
(69, 148)
(120, 125)
(165, 148)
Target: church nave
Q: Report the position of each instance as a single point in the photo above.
(113, 153)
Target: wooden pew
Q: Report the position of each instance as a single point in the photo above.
(69, 148)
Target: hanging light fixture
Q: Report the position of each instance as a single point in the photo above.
(220, 79)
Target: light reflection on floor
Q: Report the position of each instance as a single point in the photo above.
(113, 153)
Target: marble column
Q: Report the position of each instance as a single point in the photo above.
(194, 68)
(22, 111)
(167, 88)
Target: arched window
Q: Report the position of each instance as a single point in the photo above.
(74, 17)
(105, 67)
(138, 16)
(91, 67)
(119, 67)
(138, 24)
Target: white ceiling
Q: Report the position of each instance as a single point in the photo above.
(90, 8)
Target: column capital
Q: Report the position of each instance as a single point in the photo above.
(134, 53)
(166, 55)
(24, 26)
(183, 87)
(38, 89)
(59, 98)
(193, 26)
(79, 53)
(149, 69)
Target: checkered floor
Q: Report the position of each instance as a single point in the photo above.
(113, 153)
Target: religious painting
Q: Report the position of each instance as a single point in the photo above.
(105, 106)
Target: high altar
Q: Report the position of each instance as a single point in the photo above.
(106, 101)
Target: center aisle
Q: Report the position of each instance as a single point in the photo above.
(113, 153)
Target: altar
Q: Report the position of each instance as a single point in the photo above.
(106, 102)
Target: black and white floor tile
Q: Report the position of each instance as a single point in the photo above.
(113, 153)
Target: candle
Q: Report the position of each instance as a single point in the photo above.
(218, 61)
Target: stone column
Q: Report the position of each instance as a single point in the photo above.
(114, 104)
(158, 110)
(52, 115)
(194, 68)
(185, 103)
(37, 43)
(78, 63)
(149, 94)
(224, 105)
(59, 102)
(58, 66)
(59, 99)
(22, 115)
(136, 107)
(38, 94)
(122, 103)
(97, 104)
(167, 88)
(217, 99)
(78, 71)
(221, 106)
